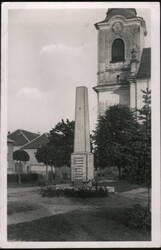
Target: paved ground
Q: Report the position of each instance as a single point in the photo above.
(26, 204)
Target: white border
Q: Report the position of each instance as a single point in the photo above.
(155, 82)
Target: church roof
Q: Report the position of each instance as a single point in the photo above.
(37, 142)
(21, 137)
(127, 13)
(144, 71)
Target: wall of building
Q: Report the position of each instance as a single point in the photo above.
(40, 169)
(15, 148)
(33, 165)
(132, 34)
(10, 167)
(31, 153)
(113, 97)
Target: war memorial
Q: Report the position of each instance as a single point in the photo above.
(82, 165)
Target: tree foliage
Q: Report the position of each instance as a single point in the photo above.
(139, 169)
(57, 151)
(112, 135)
(21, 155)
(45, 155)
(122, 140)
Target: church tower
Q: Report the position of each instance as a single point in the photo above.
(120, 45)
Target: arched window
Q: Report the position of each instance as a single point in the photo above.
(118, 51)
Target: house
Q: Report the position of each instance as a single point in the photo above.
(31, 147)
(29, 142)
(21, 137)
(124, 64)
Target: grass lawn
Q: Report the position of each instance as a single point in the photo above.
(17, 207)
(122, 185)
(16, 185)
(99, 225)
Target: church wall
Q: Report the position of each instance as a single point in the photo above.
(133, 37)
(116, 73)
(113, 97)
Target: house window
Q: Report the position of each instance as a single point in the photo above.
(118, 51)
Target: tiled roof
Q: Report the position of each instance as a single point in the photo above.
(144, 71)
(9, 140)
(37, 142)
(21, 137)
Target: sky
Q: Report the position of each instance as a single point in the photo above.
(50, 53)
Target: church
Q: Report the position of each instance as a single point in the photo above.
(124, 64)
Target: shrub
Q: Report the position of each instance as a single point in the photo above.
(72, 192)
(42, 182)
(30, 177)
(12, 178)
(138, 217)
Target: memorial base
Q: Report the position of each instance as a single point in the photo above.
(82, 167)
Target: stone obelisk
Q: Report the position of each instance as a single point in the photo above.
(82, 166)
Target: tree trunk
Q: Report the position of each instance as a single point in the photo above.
(119, 169)
(19, 173)
(46, 172)
(51, 174)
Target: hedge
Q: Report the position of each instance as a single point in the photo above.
(25, 178)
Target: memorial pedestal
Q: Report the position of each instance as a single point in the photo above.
(82, 166)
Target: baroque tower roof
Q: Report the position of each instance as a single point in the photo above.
(128, 13)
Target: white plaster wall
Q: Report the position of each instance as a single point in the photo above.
(133, 36)
(40, 169)
(110, 98)
(31, 153)
(107, 99)
(15, 148)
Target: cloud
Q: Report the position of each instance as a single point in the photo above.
(61, 48)
(32, 93)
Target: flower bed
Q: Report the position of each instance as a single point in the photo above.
(53, 191)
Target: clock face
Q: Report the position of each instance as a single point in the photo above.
(117, 27)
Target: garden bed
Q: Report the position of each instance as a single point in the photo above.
(53, 191)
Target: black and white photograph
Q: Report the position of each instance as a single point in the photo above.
(80, 124)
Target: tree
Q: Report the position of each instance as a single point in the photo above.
(145, 117)
(139, 170)
(61, 138)
(140, 144)
(20, 156)
(45, 154)
(111, 137)
(57, 152)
